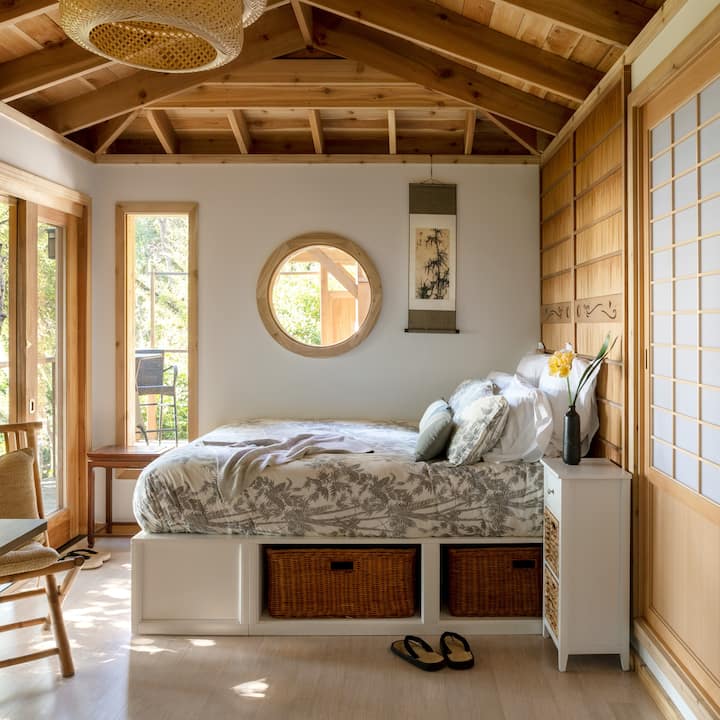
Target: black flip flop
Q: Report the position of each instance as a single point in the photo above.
(418, 653)
(456, 651)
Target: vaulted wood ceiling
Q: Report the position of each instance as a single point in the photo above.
(377, 78)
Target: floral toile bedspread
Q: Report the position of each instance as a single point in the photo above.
(382, 494)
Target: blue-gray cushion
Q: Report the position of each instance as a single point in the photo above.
(434, 407)
(435, 429)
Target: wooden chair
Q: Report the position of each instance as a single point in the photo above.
(21, 497)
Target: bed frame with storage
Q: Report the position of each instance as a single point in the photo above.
(184, 584)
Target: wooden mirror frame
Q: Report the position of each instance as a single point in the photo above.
(264, 288)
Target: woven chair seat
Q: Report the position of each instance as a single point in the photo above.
(33, 556)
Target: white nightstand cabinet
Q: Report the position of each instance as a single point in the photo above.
(586, 573)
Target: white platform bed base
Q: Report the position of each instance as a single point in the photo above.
(213, 585)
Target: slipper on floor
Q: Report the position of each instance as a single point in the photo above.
(80, 548)
(92, 562)
(456, 651)
(417, 652)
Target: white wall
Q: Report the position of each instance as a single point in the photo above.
(247, 211)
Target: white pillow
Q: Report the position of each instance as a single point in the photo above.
(466, 393)
(557, 393)
(529, 427)
(531, 367)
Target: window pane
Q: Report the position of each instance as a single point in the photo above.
(686, 470)
(686, 190)
(662, 232)
(685, 155)
(662, 201)
(710, 328)
(662, 265)
(710, 178)
(710, 443)
(686, 399)
(662, 393)
(662, 297)
(686, 225)
(686, 434)
(660, 137)
(710, 140)
(661, 169)
(710, 364)
(662, 361)
(662, 329)
(710, 292)
(710, 217)
(686, 362)
(686, 294)
(686, 330)
(662, 455)
(711, 482)
(686, 259)
(710, 254)
(711, 405)
(710, 101)
(663, 425)
(685, 119)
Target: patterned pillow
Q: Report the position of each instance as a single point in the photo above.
(434, 432)
(467, 392)
(479, 430)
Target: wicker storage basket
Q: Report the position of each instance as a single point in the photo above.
(495, 581)
(338, 582)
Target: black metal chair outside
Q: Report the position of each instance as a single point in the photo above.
(150, 382)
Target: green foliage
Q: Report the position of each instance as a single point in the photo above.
(296, 304)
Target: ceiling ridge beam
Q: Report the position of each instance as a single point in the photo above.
(15, 11)
(431, 71)
(433, 26)
(43, 69)
(276, 33)
(617, 22)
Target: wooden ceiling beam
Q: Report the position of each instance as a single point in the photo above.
(15, 11)
(45, 68)
(317, 131)
(163, 129)
(240, 130)
(426, 68)
(276, 33)
(109, 131)
(528, 137)
(434, 26)
(303, 15)
(617, 22)
(470, 123)
(392, 132)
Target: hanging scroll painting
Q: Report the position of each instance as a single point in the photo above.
(433, 259)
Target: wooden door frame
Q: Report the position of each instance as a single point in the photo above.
(38, 196)
(124, 319)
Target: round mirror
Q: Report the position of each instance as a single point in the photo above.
(319, 295)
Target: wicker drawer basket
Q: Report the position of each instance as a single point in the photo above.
(338, 582)
(552, 541)
(503, 581)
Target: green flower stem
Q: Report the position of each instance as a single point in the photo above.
(570, 398)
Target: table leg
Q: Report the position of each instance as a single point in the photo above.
(91, 506)
(108, 500)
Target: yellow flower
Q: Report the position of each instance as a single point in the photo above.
(560, 363)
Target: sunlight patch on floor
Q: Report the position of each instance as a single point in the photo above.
(202, 642)
(252, 689)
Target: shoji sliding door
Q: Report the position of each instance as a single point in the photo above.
(680, 407)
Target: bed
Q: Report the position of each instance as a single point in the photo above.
(382, 494)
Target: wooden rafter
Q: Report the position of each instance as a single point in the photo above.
(612, 21)
(163, 129)
(317, 131)
(429, 70)
(392, 132)
(106, 133)
(337, 271)
(303, 15)
(45, 68)
(528, 137)
(14, 11)
(276, 33)
(433, 26)
(240, 130)
(470, 123)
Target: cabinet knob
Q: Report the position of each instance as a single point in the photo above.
(551, 491)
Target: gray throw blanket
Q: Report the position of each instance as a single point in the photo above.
(247, 458)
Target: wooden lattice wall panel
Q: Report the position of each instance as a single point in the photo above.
(583, 254)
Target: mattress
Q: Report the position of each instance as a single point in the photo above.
(385, 493)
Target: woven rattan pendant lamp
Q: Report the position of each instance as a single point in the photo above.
(164, 35)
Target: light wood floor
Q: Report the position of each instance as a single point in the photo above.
(179, 678)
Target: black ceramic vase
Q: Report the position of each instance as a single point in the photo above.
(571, 437)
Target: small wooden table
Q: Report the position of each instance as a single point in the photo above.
(16, 533)
(111, 457)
